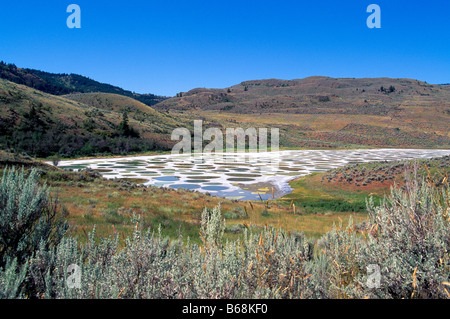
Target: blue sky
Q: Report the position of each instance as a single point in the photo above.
(168, 46)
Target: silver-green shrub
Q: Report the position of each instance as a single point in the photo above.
(409, 239)
(30, 223)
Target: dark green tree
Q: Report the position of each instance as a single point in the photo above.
(125, 129)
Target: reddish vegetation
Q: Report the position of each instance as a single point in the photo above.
(376, 187)
(377, 177)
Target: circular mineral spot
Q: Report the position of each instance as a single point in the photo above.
(202, 177)
(196, 181)
(167, 178)
(240, 179)
(134, 163)
(190, 173)
(214, 188)
(239, 169)
(185, 186)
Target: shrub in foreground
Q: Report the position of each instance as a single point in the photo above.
(30, 223)
(406, 238)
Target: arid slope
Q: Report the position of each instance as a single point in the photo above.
(323, 112)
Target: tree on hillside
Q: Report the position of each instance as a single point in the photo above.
(125, 129)
(387, 91)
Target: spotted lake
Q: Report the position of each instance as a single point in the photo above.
(246, 176)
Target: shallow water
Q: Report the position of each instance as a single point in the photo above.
(245, 176)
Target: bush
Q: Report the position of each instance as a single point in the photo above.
(29, 222)
(407, 238)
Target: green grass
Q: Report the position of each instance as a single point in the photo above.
(331, 205)
(312, 197)
(173, 228)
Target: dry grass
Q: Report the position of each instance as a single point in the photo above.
(103, 205)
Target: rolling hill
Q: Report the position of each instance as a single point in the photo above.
(324, 112)
(40, 124)
(60, 84)
(312, 95)
(109, 102)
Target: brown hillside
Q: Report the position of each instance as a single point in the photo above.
(41, 124)
(323, 112)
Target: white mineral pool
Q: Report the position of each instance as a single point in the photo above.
(245, 176)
